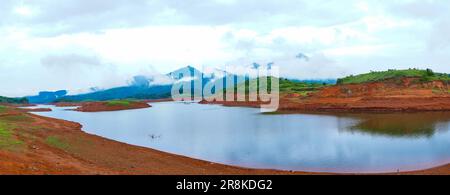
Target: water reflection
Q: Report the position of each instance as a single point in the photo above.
(411, 125)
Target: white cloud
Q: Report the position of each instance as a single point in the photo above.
(23, 11)
(123, 39)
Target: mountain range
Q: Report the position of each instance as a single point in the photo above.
(46, 96)
(143, 87)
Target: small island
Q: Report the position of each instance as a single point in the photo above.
(113, 105)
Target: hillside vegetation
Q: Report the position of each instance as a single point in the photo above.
(112, 105)
(13, 100)
(129, 92)
(286, 86)
(424, 75)
(119, 103)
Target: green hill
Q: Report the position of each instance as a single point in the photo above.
(424, 75)
(286, 86)
(13, 100)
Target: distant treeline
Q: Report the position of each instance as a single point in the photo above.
(13, 100)
(128, 92)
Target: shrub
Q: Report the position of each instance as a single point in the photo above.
(430, 72)
(118, 103)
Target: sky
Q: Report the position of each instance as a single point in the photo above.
(82, 44)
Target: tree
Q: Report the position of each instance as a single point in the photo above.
(430, 72)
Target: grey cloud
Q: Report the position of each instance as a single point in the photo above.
(439, 37)
(318, 66)
(302, 56)
(286, 12)
(71, 16)
(418, 37)
(140, 81)
(421, 9)
(435, 13)
(69, 60)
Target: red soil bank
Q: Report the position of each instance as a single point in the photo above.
(407, 94)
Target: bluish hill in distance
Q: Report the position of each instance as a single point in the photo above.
(46, 96)
(127, 92)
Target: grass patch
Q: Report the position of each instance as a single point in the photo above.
(306, 93)
(288, 86)
(424, 75)
(2, 108)
(17, 118)
(13, 100)
(7, 139)
(285, 86)
(438, 91)
(56, 142)
(118, 103)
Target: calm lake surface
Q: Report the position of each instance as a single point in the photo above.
(303, 142)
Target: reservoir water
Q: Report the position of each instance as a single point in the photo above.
(365, 143)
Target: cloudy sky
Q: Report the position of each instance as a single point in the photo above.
(79, 44)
